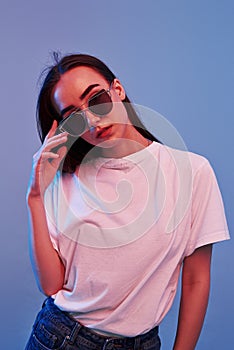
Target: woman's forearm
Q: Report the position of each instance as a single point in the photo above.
(194, 300)
(47, 265)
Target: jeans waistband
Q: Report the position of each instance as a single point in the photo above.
(73, 329)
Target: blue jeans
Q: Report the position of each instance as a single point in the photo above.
(56, 330)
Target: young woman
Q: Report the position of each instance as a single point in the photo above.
(115, 215)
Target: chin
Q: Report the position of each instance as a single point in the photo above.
(108, 143)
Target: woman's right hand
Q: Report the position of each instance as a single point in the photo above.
(46, 162)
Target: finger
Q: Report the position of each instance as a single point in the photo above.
(53, 129)
(49, 147)
(48, 155)
(54, 143)
(61, 154)
(57, 136)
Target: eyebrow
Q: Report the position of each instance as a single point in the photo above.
(87, 91)
(82, 96)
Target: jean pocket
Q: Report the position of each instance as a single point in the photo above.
(44, 338)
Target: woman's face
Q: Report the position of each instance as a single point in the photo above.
(73, 91)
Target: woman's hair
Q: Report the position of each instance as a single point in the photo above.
(47, 113)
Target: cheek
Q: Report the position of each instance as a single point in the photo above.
(119, 113)
(118, 117)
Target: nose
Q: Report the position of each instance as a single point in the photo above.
(92, 119)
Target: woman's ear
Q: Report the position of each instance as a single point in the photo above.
(119, 88)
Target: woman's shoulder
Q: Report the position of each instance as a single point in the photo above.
(182, 157)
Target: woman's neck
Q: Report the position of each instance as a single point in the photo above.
(123, 147)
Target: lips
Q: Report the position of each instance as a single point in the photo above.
(104, 131)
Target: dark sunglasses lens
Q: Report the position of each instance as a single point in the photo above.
(75, 125)
(101, 104)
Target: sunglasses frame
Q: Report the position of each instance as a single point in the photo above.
(82, 113)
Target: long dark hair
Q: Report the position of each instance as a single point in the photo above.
(46, 112)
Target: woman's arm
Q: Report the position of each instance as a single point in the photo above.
(47, 265)
(194, 298)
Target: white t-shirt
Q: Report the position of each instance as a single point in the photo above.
(123, 227)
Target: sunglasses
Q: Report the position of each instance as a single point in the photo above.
(76, 123)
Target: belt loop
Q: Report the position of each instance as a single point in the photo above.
(107, 341)
(72, 337)
(137, 343)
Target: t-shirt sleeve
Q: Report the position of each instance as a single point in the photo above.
(53, 233)
(50, 203)
(208, 221)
